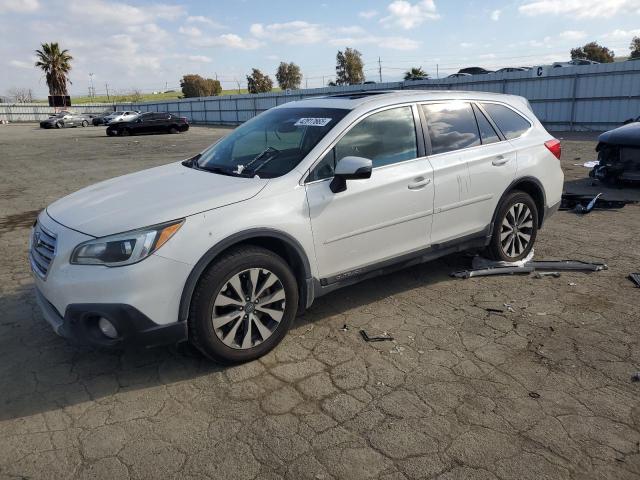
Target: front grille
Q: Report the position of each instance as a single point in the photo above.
(43, 250)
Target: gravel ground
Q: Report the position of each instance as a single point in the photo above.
(540, 392)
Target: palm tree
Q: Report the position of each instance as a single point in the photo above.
(56, 64)
(416, 73)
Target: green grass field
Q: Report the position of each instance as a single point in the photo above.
(146, 97)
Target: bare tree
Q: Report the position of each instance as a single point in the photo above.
(21, 95)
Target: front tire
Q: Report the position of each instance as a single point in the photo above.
(125, 132)
(59, 125)
(173, 130)
(85, 123)
(515, 228)
(243, 305)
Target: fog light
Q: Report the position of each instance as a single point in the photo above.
(107, 328)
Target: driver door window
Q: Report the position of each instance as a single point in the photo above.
(385, 137)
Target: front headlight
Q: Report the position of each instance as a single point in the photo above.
(124, 248)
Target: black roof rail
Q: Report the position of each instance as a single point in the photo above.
(355, 94)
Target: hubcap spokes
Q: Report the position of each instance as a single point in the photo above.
(516, 230)
(248, 308)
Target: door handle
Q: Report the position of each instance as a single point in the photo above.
(419, 183)
(500, 160)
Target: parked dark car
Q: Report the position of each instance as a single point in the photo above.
(459, 75)
(619, 155)
(65, 119)
(149, 122)
(475, 71)
(99, 119)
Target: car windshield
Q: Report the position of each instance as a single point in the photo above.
(271, 144)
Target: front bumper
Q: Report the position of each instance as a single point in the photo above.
(46, 125)
(142, 300)
(80, 325)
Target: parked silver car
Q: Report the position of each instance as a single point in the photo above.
(65, 119)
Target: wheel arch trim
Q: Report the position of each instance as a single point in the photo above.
(306, 295)
(514, 186)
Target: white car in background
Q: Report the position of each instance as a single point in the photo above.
(121, 116)
(225, 248)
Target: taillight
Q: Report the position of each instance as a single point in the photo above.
(554, 147)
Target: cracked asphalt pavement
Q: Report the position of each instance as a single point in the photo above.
(540, 392)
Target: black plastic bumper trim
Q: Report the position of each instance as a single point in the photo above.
(135, 329)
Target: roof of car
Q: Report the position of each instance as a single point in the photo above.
(379, 98)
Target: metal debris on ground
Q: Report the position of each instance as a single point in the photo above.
(484, 272)
(581, 209)
(575, 202)
(635, 278)
(635, 377)
(547, 274)
(344, 328)
(375, 338)
(494, 310)
(497, 268)
(509, 307)
(568, 265)
(534, 394)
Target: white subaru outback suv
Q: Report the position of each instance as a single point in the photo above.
(224, 249)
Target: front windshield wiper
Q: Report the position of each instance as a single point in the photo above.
(266, 156)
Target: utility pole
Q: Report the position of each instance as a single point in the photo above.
(92, 91)
(437, 71)
(323, 84)
(380, 69)
(306, 83)
(106, 85)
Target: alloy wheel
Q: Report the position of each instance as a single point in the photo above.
(248, 308)
(516, 231)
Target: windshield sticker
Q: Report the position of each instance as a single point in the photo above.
(313, 122)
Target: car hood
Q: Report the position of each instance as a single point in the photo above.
(149, 197)
(627, 135)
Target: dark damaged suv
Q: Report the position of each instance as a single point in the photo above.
(619, 154)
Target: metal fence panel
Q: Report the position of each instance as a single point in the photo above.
(593, 97)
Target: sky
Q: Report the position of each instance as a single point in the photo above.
(148, 45)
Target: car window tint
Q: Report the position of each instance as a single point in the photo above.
(509, 122)
(487, 132)
(385, 138)
(452, 126)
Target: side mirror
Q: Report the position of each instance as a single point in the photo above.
(350, 168)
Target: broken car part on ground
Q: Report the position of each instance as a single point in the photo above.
(532, 266)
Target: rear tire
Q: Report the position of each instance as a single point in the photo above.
(112, 133)
(228, 328)
(85, 123)
(125, 132)
(515, 228)
(59, 125)
(173, 130)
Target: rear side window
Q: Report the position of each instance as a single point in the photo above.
(509, 122)
(487, 132)
(452, 126)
